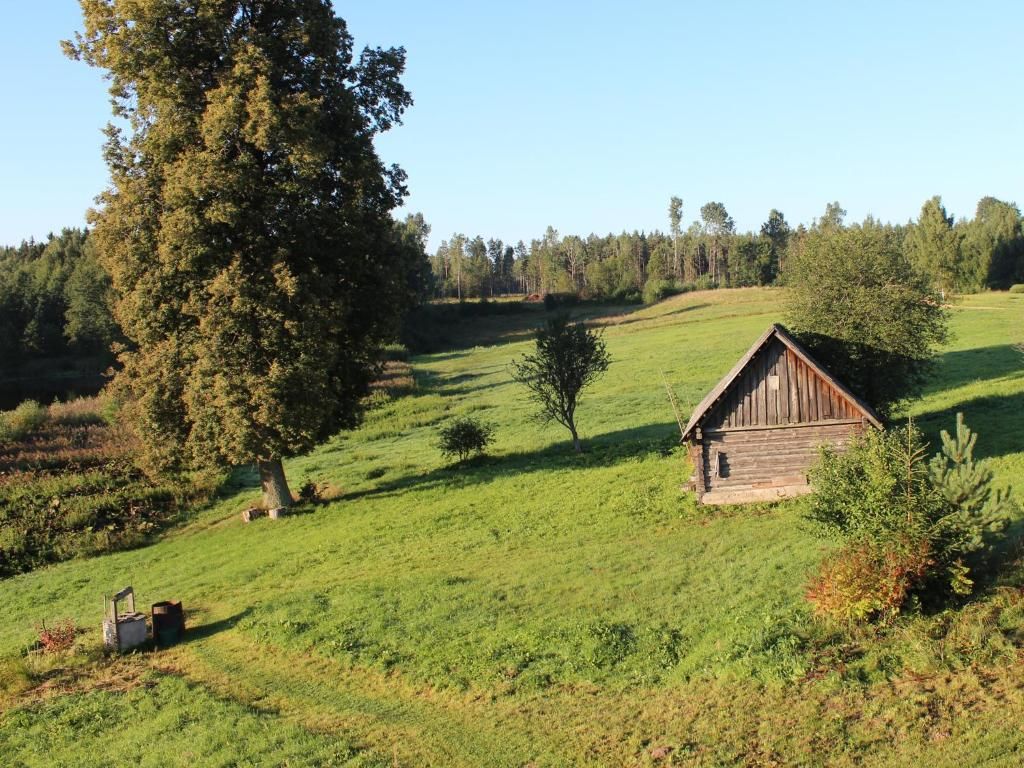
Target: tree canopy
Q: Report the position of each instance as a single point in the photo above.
(247, 226)
(568, 358)
(865, 312)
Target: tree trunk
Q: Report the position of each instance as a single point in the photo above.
(274, 484)
(575, 439)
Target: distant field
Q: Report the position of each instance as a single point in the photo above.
(538, 607)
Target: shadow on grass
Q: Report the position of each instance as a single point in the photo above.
(998, 420)
(459, 384)
(630, 320)
(194, 633)
(444, 333)
(604, 450)
(955, 369)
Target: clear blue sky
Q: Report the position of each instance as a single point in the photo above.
(588, 116)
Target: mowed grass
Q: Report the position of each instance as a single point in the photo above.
(537, 606)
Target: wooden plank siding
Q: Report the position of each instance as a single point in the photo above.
(779, 388)
(758, 431)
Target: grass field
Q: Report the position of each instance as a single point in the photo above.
(536, 607)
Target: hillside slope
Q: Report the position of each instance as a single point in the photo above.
(537, 607)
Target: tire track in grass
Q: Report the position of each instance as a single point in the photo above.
(383, 713)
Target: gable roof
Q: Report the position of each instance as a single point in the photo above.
(776, 331)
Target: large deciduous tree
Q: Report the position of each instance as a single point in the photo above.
(865, 311)
(247, 225)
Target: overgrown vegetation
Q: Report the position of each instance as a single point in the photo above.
(69, 488)
(16, 424)
(912, 531)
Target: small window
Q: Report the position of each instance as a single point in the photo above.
(719, 464)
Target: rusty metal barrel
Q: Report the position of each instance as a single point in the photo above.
(168, 622)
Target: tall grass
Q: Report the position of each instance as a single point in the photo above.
(17, 424)
(68, 487)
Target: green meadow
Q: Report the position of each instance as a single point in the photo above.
(535, 607)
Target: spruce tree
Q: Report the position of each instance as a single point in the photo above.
(247, 224)
(933, 246)
(967, 485)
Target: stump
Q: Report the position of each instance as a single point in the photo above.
(251, 514)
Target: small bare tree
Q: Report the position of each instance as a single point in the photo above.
(569, 357)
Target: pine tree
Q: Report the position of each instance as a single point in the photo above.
(967, 485)
(247, 227)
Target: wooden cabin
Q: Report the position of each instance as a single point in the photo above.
(756, 434)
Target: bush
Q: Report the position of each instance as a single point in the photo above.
(310, 493)
(1018, 288)
(626, 296)
(656, 290)
(911, 529)
(27, 417)
(557, 300)
(465, 436)
(867, 582)
(704, 283)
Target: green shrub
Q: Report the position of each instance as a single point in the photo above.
(656, 290)
(465, 436)
(627, 296)
(1017, 288)
(911, 529)
(982, 512)
(557, 300)
(704, 283)
(16, 424)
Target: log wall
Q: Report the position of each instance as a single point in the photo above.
(767, 457)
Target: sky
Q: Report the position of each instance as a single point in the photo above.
(589, 116)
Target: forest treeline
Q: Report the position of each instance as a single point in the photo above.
(54, 301)
(962, 256)
(55, 297)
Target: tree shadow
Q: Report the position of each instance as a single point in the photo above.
(461, 383)
(605, 450)
(611, 322)
(194, 633)
(444, 331)
(966, 366)
(998, 420)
